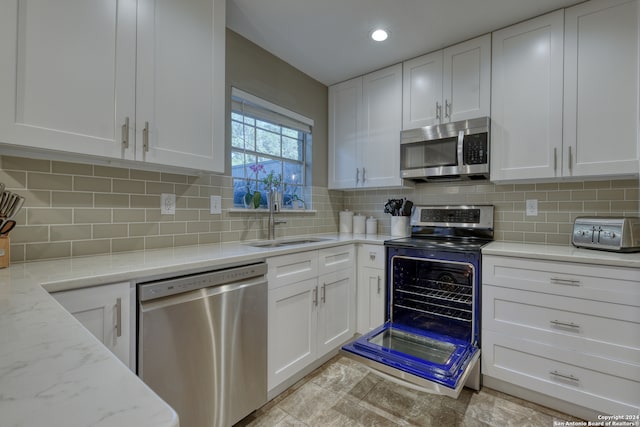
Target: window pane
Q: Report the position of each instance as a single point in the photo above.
(267, 143)
(293, 173)
(268, 126)
(291, 148)
(292, 133)
(236, 135)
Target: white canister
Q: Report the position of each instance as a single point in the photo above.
(400, 226)
(372, 225)
(358, 224)
(346, 221)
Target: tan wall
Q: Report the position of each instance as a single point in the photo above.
(558, 205)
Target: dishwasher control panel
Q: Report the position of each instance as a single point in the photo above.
(177, 285)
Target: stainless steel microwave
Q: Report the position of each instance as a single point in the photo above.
(447, 152)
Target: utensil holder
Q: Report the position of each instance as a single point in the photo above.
(400, 226)
(5, 251)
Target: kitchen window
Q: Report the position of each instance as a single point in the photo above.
(269, 141)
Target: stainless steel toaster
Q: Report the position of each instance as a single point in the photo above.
(609, 234)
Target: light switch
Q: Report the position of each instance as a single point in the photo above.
(216, 205)
(532, 207)
(167, 204)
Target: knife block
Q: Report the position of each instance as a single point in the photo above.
(5, 250)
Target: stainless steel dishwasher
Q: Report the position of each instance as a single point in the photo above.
(202, 343)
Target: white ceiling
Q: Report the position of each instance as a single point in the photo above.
(329, 39)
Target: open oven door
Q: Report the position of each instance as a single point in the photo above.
(425, 360)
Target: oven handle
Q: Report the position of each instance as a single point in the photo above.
(460, 148)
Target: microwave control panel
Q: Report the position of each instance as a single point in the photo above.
(474, 149)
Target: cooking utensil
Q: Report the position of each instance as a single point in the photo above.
(7, 226)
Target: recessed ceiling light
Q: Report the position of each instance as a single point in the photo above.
(379, 35)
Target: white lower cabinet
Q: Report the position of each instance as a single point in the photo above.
(105, 311)
(311, 308)
(371, 287)
(565, 330)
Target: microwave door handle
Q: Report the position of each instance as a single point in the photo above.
(460, 148)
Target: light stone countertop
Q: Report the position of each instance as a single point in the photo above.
(563, 253)
(53, 372)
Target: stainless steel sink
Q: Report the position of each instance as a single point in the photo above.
(287, 242)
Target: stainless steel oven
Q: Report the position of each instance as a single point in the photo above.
(431, 337)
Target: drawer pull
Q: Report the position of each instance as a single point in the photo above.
(568, 282)
(565, 376)
(372, 256)
(564, 324)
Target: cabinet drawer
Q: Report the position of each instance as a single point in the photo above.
(611, 284)
(336, 258)
(372, 256)
(604, 385)
(287, 269)
(600, 328)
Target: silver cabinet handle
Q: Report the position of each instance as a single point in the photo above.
(447, 109)
(145, 137)
(324, 292)
(567, 282)
(357, 175)
(438, 111)
(564, 324)
(363, 179)
(315, 296)
(570, 159)
(379, 284)
(565, 376)
(119, 317)
(555, 159)
(125, 133)
(372, 256)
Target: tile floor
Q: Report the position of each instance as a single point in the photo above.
(344, 393)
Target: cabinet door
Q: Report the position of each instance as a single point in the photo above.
(467, 80)
(422, 91)
(345, 105)
(336, 310)
(601, 88)
(292, 330)
(379, 148)
(105, 312)
(67, 75)
(180, 86)
(526, 99)
(371, 299)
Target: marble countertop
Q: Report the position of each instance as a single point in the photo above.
(54, 372)
(563, 253)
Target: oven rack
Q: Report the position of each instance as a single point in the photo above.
(462, 294)
(441, 311)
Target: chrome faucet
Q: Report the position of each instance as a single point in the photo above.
(274, 207)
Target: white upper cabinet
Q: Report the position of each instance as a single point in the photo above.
(67, 75)
(448, 85)
(345, 111)
(181, 78)
(365, 118)
(75, 73)
(526, 99)
(601, 88)
(379, 148)
(565, 94)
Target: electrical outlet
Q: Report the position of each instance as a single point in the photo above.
(167, 204)
(532, 207)
(216, 205)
